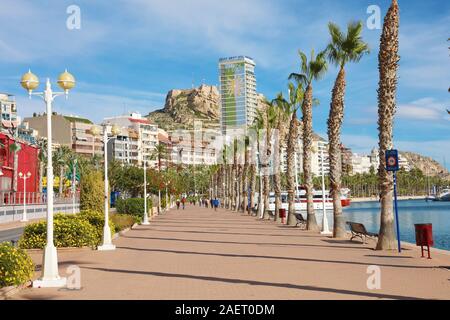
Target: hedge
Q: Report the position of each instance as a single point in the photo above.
(123, 221)
(69, 231)
(97, 220)
(16, 266)
(133, 206)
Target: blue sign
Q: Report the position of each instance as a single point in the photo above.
(392, 160)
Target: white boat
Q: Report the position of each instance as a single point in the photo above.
(443, 196)
(301, 201)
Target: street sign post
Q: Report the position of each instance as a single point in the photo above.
(393, 166)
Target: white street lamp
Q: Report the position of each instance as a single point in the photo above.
(145, 194)
(107, 244)
(325, 229)
(50, 276)
(24, 177)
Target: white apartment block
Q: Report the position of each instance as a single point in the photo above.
(147, 135)
(319, 145)
(361, 164)
(125, 147)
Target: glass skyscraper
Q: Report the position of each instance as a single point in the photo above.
(238, 99)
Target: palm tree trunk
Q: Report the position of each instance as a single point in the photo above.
(290, 161)
(238, 188)
(245, 178)
(41, 175)
(334, 133)
(307, 150)
(61, 180)
(277, 175)
(233, 178)
(252, 187)
(388, 65)
(16, 170)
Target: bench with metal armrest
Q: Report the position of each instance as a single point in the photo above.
(300, 220)
(359, 231)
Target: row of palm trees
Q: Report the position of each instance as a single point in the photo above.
(238, 174)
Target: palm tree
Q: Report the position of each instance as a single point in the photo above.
(245, 174)
(342, 49)
(42, 162)
(314, 69)
(158, 154)
(283, 111)
(296, 95)
(258, 125)
(388, 65)
(60, 158)
(270, 122)
(15, 148)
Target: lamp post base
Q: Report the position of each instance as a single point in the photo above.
(50, 277)
(145, 223)
(326, 233)
(50, 283)
(106, 247)
(24, 220)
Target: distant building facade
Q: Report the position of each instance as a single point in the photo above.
(71, 131)
(147, 134)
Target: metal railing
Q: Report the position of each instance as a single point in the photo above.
(16, 198)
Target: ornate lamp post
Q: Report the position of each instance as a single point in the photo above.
(50, 276)
(145, 194)
(24, 177)
(107, 244)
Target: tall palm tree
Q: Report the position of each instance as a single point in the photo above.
(296, 95)
(258, 125)
(283, 111)
(270, 122)
(343, 48)
(314, 69)
(158, 154)
(15, 148)
(42, 162)
(245, 173)
(388, 65)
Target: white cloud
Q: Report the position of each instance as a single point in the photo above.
(423, 109)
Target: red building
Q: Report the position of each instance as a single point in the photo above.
(27, 162)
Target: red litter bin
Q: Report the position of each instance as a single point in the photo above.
(424, 236)
(282, 214)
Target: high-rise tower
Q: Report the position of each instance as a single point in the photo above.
(238, 99)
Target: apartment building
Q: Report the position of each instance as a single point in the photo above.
(125, 147)
(71, 131)
(147, 134)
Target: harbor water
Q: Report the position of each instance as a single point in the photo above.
(410, 212)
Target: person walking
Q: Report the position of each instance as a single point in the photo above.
(183, 202)
(178, 204)
(216, 204)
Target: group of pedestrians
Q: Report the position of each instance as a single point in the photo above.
(182, 203)
(203, 202)
(213, 203)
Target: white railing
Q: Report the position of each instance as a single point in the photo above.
(17, 198)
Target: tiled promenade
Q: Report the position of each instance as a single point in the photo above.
(201, 254)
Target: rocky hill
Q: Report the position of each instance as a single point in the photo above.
(427, 165)
(183, 106)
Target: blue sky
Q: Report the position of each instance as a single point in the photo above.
(128, 54)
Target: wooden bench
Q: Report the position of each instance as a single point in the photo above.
(300, 220)
(359, 231)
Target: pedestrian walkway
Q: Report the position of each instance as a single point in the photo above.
(199, 253)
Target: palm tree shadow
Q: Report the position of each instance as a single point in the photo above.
(260, 283)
